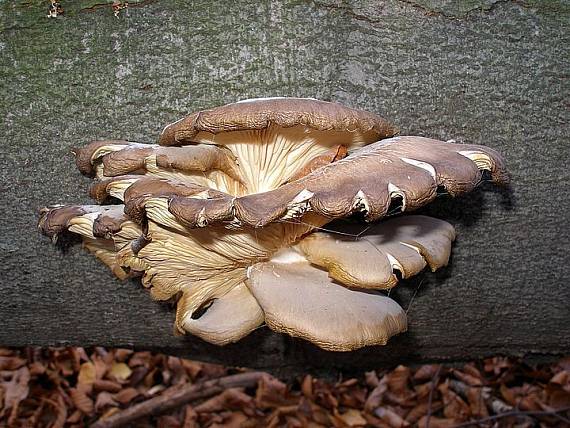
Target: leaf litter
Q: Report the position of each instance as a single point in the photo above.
(75, 387)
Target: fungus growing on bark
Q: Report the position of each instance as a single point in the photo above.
(224, 216)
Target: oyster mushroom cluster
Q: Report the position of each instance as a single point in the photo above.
(226, 213)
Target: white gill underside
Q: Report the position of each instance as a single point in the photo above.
(189, 261)
(481, 160)
(240, 245)
(269, 157)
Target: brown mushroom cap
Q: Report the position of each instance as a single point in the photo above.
(259, 114)
(55, 219)
(96, 220)
(105, 231)
(199, 164)
(410, 168)
(302, 301)
(85, 156)
(136, 194)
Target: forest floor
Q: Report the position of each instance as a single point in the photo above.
(76, 387)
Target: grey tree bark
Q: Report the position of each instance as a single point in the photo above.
(480, 71)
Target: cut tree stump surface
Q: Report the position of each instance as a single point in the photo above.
(483, 72)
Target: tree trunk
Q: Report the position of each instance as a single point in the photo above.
(479, 71)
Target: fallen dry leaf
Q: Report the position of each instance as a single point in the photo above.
(561, 378)
(17, 388)
(307, 386)
(155, 390)
(168, 421)
(104, 400)
(426, 372)
(193, 368)
(398, 379)
(232, 420)
(121, 355)
(475, 397)
(435, 422)
(11, 363)
(190, 417)
(371, 379)
(376, 396)
(87, 374)
(101, 367)
(140, 359)
(106, 385)
(454, 406)
(271, 392)
(421, 410)
(74, 418)
(351, 418)
(120, 371)
(82, 400)
(393, 419)
(126, 395)
(37, 368)
(467, 378)
(58, 405)
(138, 375)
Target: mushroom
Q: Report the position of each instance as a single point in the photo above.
(226, 216)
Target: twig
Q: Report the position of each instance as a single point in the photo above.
(175, 397)
(495, 404)
(434, 381)
(518, 413)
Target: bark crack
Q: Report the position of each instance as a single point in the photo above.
(427, 11)
(487, 8)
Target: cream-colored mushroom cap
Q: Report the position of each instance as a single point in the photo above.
(302, 301)
(404, 244)
(228, 319)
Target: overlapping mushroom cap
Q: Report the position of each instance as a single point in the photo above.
(223, 215)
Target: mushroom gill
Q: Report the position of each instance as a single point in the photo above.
(223, 216)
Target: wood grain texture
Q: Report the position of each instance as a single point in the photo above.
(493, 73)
